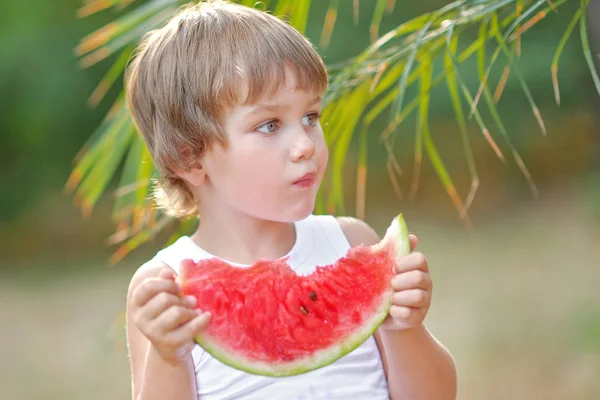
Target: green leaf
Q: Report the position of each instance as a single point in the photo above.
(518, 12)
(469, 99)
(329, 23)
(496, 116)
(524, 86)
(355, 11)
(131, 36)
(336, 115)
(283, 8)
(125, 193)
(361, 172)
(587, 52)
(94, 6)
(139, 239)
(111, 77)
(460, 119)
(522, 17)
(110, 153)
(248, 3)
(348, 123)
(407, 27)
(432, 152)
(559, 50)
(129, 21)
(94, 146)
(376, 20)
(552, 6)
(361, 89)
(300, 14)
(397, 106)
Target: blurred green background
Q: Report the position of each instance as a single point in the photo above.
(516, 300)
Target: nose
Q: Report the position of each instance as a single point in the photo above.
(303, 147)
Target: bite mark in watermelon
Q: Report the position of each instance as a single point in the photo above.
(267, 320)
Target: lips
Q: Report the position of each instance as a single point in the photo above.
(306, 179)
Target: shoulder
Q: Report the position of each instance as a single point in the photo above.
(357, 232)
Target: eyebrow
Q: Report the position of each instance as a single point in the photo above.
(260, 108)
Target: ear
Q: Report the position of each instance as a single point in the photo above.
(195, 175)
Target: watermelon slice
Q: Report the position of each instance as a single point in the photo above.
(267, 320)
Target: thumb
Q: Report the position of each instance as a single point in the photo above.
(198, 324)
(167, 273)
(413, 241)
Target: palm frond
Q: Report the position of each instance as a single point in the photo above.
(430, 147)
(380, 7)
(587, 52)
(502, 44)
(498, 121)
(460, 119)
(124, 30)
(559, 50)
(329, 23)
(390, 79)
(110, 78)
(465, 90)
(299, 15)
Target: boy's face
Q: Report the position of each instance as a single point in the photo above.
(275, 160)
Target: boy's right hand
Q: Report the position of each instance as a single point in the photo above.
(168, 320)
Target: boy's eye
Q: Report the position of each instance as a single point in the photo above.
(310, 119)
(267, 127)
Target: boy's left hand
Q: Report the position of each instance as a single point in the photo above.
(412, 291)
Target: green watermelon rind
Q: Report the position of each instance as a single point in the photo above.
(397, 232)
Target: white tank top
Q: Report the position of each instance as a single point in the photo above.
(358, 375)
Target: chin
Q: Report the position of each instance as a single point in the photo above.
(304, 211)
(298, 212)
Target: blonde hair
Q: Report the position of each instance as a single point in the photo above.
(185, 75)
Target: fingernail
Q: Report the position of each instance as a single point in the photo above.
(191, 301)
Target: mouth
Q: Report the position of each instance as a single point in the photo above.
(306, 180)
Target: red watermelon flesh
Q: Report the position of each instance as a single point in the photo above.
(267, 320)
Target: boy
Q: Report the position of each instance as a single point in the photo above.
(228, 100)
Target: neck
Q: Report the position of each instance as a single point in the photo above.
(237, 237)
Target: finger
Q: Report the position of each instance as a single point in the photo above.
(173, 318)
(151, 287)
(415, 279)
(163, 301)
(399, 313)
(413, 261)
(406, 315)
(191, 329)
(167, 273)
(411, 298)
(200, 323)
(413, 241)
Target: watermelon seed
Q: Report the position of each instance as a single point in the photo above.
(313, 296)
(304, 311)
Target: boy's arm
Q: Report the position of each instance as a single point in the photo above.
(417, 366)
(152, 376)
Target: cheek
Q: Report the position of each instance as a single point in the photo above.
(322, 152)
(259, 190)
(253, 175)
(254, 165)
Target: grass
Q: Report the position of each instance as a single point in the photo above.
(515, 301)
